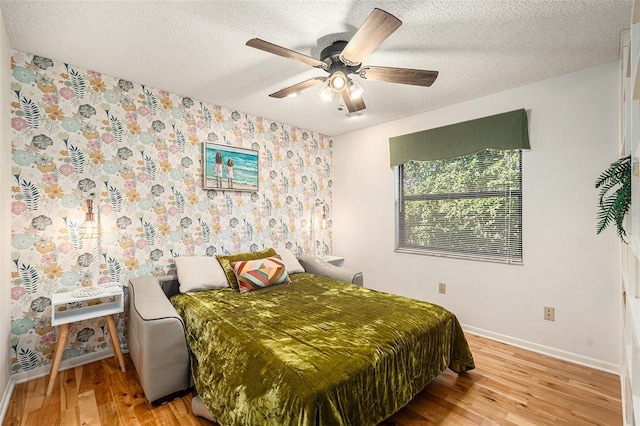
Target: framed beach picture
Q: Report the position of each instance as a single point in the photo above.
(229, 168)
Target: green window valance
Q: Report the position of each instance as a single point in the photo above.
(501, 131)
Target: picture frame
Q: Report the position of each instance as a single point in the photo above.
(230, 168)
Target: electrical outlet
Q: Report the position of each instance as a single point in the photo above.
(549, 313)
(442, 288)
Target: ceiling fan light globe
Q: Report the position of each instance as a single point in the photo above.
(354, 90)
(327, 93)
(338, 81)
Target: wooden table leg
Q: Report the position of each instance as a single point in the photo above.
(62, 341)
(115, 341)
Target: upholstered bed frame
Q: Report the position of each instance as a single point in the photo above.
(156, 335)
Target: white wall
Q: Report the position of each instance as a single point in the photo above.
(573, 128)
(5, 220)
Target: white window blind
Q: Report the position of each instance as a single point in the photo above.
(467, 207)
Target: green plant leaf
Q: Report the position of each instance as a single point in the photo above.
(613, 207)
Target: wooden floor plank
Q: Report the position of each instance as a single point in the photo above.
(68, 390)
(510, 386)
(88, 409)
(16, 409)
(35, 397)
(68, 417)
(108, 413)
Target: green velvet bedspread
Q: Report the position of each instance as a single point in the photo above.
(315, 352)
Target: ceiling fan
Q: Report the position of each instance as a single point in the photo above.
(343, 59)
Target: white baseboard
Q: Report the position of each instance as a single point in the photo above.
(25, 376)
(546, 350)
(6, 399)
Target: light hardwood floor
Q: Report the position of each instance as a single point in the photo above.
(510, 386)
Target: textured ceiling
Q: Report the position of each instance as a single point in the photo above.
(197, 48)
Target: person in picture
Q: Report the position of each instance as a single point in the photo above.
(217, 170)
(230, 173)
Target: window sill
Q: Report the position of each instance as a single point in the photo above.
(459, 256)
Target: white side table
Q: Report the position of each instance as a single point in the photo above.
(109, 302)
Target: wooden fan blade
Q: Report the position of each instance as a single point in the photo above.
(297, 87)
(286, 53)
(399, 75)
(353, 105)
(376, 28)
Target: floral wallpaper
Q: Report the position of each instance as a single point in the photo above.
(137, 152)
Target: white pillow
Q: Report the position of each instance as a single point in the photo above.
(291, 264)
(200, 273)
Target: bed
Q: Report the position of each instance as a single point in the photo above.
(314, 351)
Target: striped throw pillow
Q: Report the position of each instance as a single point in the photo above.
(260, 273)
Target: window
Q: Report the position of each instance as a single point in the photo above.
(467, 207)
